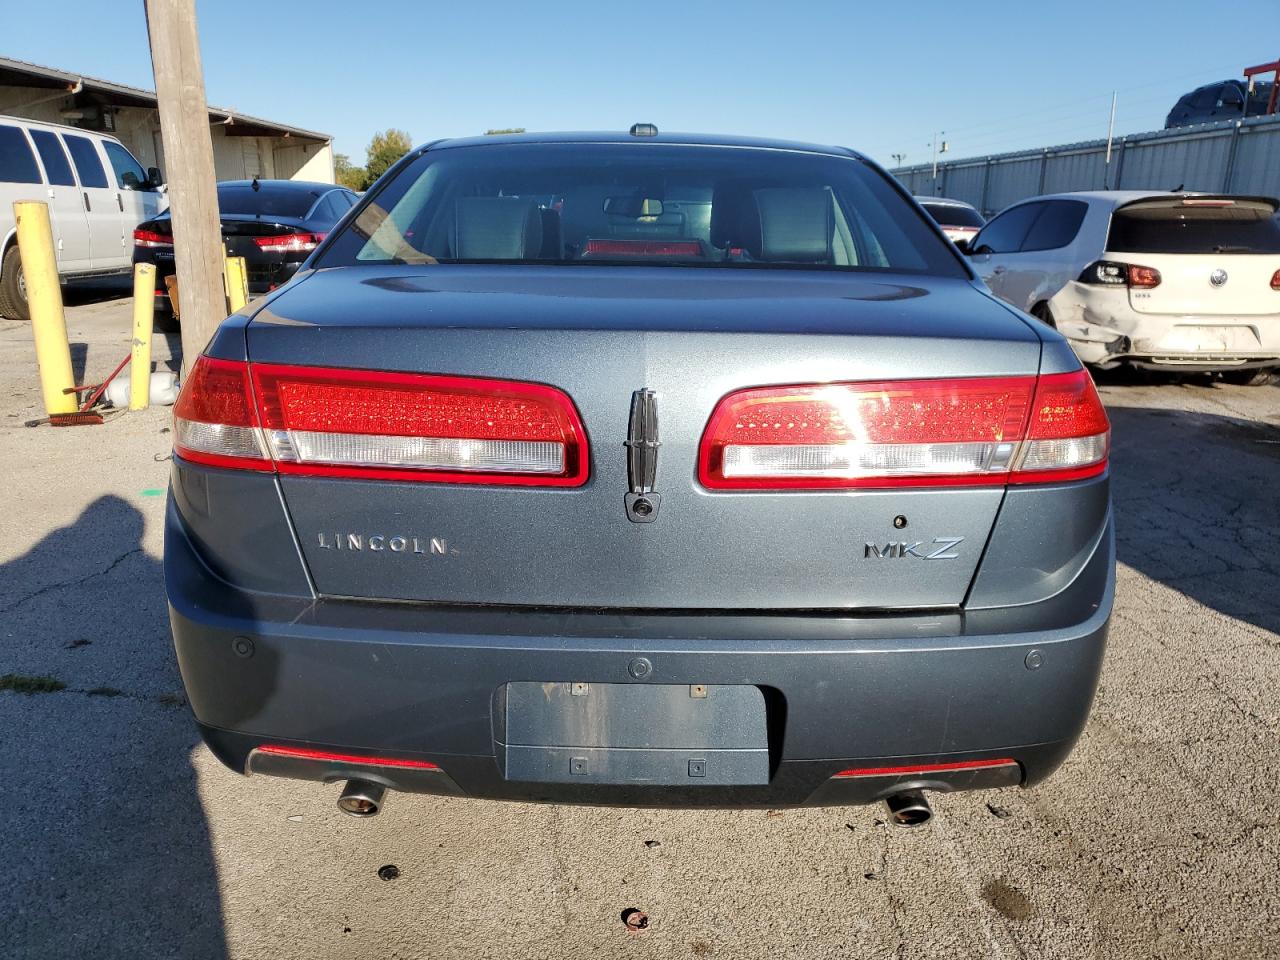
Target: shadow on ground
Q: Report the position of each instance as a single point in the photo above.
(108, 853)
(1196, 505)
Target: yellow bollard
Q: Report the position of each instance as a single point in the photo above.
(144, 311)
(237, 283)
(44, 298)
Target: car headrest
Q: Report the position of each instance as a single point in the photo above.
(496, 228)
(796, 225)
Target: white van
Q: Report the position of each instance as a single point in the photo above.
(96, 191)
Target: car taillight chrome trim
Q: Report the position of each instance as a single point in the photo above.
(959, 432)
(270, 417)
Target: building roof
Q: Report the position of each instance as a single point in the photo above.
(20, 73)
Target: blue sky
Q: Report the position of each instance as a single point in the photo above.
(879, 77)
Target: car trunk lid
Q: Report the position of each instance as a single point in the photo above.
(1216, 255)
(600, 334)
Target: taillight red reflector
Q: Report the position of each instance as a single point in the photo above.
(386, 425)
(1275, 280)
(904, 433)
(215, 421)
(644, 248)
(303, 753)
(290, 241)
(150, 238)
(920, 769)
(1144, 278)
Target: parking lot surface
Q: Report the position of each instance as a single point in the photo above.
(123, 837)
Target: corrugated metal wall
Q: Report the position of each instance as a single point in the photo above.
(1229, 157)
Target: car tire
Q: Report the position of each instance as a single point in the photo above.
(13, 296)
(1248, 378)
(1042, 313)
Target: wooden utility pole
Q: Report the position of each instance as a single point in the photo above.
(188, 151)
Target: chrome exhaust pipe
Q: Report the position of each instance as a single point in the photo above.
(910, 808)
(360, 798)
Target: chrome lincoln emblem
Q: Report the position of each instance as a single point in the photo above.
(642, 457)
(1218, 277)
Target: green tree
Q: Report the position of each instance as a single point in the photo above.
(384, 149)
(347, 173)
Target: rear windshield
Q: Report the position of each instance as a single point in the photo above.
(267, 201)
(1195, 226)
(953, 214)
(641, 204)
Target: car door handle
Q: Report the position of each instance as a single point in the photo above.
(120, 202)
(86, 202)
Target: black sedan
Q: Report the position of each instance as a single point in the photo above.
(273, 224)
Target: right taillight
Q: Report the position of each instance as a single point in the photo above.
(322, 421)
(955, 432)
(1109, 273)
(151, 238)
(1275, 280)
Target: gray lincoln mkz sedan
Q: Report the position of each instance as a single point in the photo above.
(639, 469)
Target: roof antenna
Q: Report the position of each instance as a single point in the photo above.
(256, 186)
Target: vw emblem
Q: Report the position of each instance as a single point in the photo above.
(1218, 277)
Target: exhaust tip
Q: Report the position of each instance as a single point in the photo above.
(361, 799)
(909, 809)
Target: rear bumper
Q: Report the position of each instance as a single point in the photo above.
(1103, 329)
(412, 681)
(265, 272)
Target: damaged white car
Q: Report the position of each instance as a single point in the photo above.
(1171, 281)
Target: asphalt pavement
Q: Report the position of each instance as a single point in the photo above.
(123, 837)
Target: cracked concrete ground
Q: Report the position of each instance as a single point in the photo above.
(123, 837)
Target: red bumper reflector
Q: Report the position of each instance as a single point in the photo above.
(302, 753)
(918, 769)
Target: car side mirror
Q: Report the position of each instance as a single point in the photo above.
(962, 245)
(155, 179)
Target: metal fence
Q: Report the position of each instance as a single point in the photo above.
(1240, 156)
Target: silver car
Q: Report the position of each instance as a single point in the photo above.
(640, 469)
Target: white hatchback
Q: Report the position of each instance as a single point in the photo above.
(1173, 281)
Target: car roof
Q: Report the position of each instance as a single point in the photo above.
(944, 200)
(614, 136)
(301, 186)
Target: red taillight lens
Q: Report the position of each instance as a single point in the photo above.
(1143, 277)
(408, 426)
(150, 238)
(643, 248)
(905, 433)
(214, 420)
(1275, 280)
(290, 242)
(324, 421)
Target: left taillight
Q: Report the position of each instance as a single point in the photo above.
(322, 421)
(215, 420)
(151, 238)
(956, 432)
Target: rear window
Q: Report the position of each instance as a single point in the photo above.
(641, 204)
(17, 162)
(1195, 226)
(953, 214)
(241, 199)
(54, 158)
